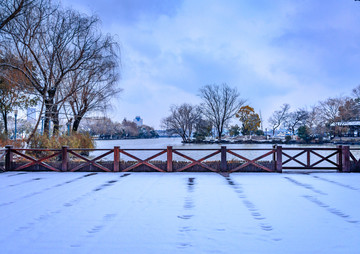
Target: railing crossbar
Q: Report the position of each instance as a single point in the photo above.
(196, 162)
(145, 162)
(34, 161)
(88, 162)
(251, 162)
(293, 158)
(2, 156)
(323, 158)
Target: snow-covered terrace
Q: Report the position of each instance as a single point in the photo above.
(47, 212)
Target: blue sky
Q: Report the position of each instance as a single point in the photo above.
(274, 52)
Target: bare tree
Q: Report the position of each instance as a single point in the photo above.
(356, 92)
(296, 119)
(349, 110)
(356, 104)
(279, 117)
(56, 42)
(329, 110)
(104, 127)
(220, 104)
(94, 85)
(314, 122)
(182, 120)
(11, 9)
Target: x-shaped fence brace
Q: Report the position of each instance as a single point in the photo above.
(197, 162)
(2, 156)
(142, 162)
(35, 161)
(357, 162)
(251, 162)
(193, 162)
(308, 164)
(90, 162)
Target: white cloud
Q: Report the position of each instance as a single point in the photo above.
(274, 52)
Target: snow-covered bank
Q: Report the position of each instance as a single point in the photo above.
(179, 213)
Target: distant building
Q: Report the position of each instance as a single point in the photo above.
(31, 115)
(138, 121)
(347, 129)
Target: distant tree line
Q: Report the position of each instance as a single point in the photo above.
(56, 58)
(105, 128)
(325, 119)
(222, 103)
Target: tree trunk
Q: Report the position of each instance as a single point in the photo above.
(48, 106)
(78, 117)
(76, 123)
(4, 115)
(50, 111)
(218, 128)
(56, 125)
(55, 119)
(47, 117)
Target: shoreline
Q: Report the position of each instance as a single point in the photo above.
(336, 141)
(273, 142)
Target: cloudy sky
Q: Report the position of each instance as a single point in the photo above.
(274, 52)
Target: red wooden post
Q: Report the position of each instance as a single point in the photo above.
(346, 159)
(339, 158)
(169, 154)
(8, 158)
(308, 159)
(116, 158)
(274, 154)
(65, 158)
(279, 159)
(223, 162)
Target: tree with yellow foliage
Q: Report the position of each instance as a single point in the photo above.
(14, 93)
(249, 119)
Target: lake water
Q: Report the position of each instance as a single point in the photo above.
(162, 143)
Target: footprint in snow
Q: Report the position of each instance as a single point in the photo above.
(185, 217)
(184, 245)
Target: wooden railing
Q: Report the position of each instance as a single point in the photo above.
(353, 162)
(313, 158)
(2, 156)
(68, 159)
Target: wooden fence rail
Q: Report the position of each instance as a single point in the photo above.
(340, 158)
(2, 156)
(350, 159)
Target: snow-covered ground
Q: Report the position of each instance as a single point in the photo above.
(179, 213)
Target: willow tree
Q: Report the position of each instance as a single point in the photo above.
(95, 84)
(57, 42)
(220, 104)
